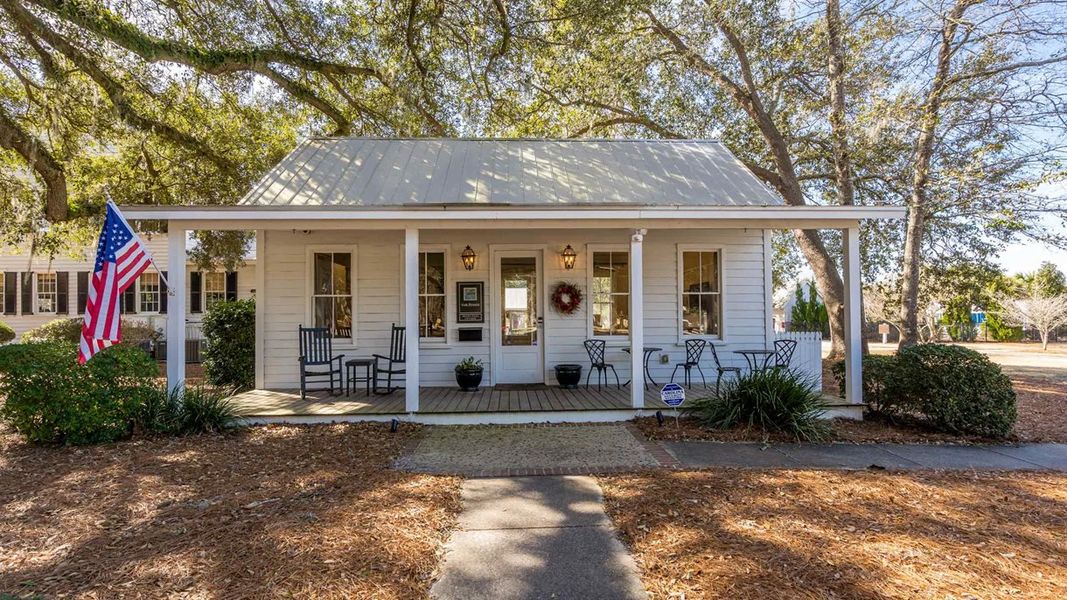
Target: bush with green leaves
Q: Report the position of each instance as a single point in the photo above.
(134, 332)
(230, 354)
(6, 333)
(772, 400)
(50, 398)
(957, 389)
(186, 410)
(879, 386)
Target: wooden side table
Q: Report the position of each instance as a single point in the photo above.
(370, 374)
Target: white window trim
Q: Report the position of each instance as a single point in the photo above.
(309, 286)
(681, 335)
(36, 297)
(449, 295)
(137, 288)
(204, 290)
(589, 250)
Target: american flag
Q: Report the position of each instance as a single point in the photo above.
(121, 257)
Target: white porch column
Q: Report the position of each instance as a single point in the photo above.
(411, 318)
(175, 307)
(261, 309)
(637, 319)
(853, 318)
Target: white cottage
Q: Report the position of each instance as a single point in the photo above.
(463, 242)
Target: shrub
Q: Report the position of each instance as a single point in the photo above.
(957, 389)
(1001, 331)
(188, 410)
(6, 333)
(50, 398)
(230, 356)
(134, 333)
(879, 391)
(773, 400)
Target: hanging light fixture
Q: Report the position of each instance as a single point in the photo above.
(568, 256)
(468, 257)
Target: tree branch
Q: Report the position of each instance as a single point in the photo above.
(50, 171)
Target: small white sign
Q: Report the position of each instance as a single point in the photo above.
(672, 395)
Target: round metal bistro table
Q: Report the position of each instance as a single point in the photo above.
(752, 357)
(648, 351)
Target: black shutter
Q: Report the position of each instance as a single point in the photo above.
(11, 282)
(27, 293)
(163, 294)
(196, 287)
(231, 285)
(129, 300)
(83, 291)
(62, 292)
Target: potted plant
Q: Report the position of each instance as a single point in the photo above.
(469, 374)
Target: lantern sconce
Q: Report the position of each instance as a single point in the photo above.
(568, 256)
(468, 257)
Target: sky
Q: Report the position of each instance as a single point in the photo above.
(1023, 257)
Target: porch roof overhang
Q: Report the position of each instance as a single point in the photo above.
(503, 217)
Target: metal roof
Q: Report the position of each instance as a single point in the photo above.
(376, 172)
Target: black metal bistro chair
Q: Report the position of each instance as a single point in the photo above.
(596, 349)
(395, 363)
(693, 350)
(720, 370)
(317, 358)
(783, 353)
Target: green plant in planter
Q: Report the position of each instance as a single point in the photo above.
(469, 365)
(469, 373)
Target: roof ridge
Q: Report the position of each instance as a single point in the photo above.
(515, 139)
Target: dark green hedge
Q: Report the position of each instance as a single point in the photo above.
(230, 356)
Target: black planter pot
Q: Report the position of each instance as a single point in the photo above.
(568, 376)
(469, 379)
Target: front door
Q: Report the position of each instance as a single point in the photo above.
(518, 300)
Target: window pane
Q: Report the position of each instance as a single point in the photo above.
(709, 271)
(435, 273)
(602, 314)
(700, 314)
(342, 273)
(620, 263)
(432, 316)
(324, 313)
(690, 271)
(342, 315)
(322, 267)
(601, 267)
(621, 323)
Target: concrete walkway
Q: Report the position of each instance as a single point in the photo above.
(1024, 457)
(535, 537)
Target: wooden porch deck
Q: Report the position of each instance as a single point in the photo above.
(445, 400)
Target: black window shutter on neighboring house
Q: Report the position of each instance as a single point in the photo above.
(231, 285)
(195, 288)
(27, 293)
(62, 292)
(11, 282)
(129, 300)
(163, 294)
(83, 291)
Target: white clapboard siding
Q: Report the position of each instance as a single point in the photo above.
(807, 360)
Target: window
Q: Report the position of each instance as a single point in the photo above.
(3, 295)
(432, 295)
(214, 289)
(611, 293)
(331, 294)
(148, 293)
(47, 291)
(701, 293)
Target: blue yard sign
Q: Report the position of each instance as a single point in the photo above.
(672, 395)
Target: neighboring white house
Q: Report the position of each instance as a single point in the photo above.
(37, 289)
(671, 243)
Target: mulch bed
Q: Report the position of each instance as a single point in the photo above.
(817, 534)
(309, 512)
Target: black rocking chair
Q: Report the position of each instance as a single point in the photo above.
(394, 364)
(596, 350)
(720, 370)
(783, 353)
(316, 350)
(693, 350)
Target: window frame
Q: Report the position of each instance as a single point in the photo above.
(159, 287)
(204, 288)
(446, 251)
(590, 249)
(37, 293)
(309, 287)
(680, 264)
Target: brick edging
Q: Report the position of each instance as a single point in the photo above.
(664, 458)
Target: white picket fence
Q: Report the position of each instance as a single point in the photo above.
(807, 360)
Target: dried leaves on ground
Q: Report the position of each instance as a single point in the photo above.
(309, 512)
(732, 534)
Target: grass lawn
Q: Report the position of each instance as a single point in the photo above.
(306, 512)
(812, 534)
